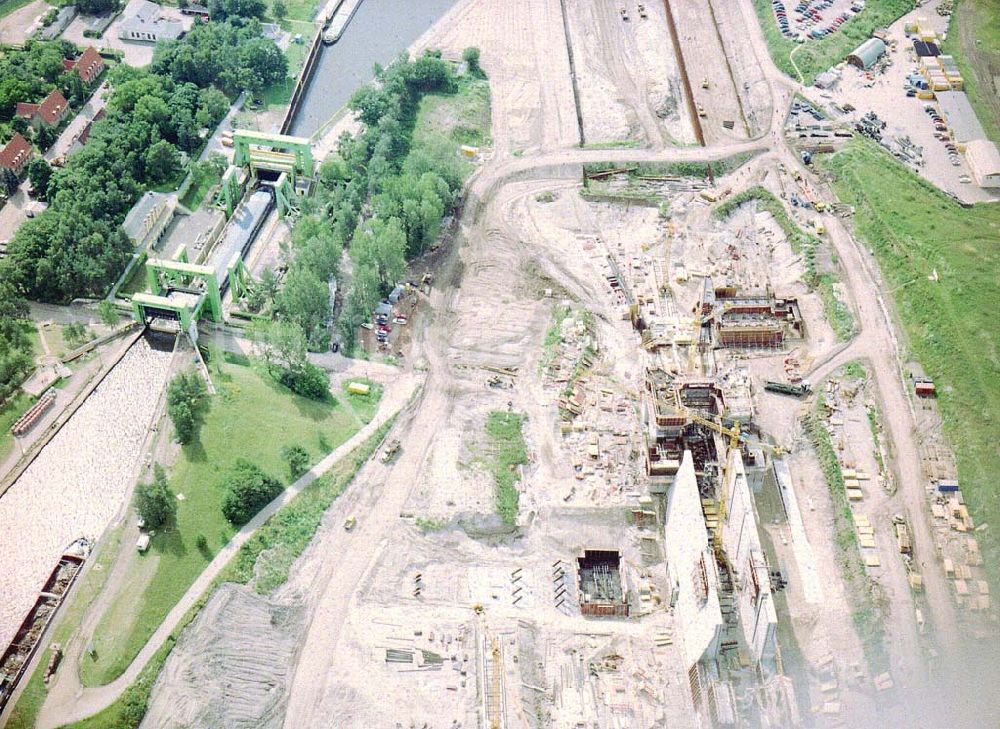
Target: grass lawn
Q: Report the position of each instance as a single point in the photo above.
(951, 325)
(974, 41)
(10, 411)
(816, 56)
(267, 557)
(507, 451)
(287, 533)
(281, 94)
(204, 179)
(363, 405)
(56, 339)
(252, 417)
(173, 183)
(300, 10)
(447, 121)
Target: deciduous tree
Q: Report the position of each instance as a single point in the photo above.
(154, 501)
(247, 489)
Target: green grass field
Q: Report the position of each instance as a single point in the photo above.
(10, 411)
(252, 417)
(9, 6)
(951, 325)
(289, 530)
(302, 11)
(204, 178)
(280, 95)
(816, 56)
(974, 41)
(267, 557)
(447, 121)
(508, 450)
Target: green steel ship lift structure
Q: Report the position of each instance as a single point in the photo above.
(184, 291)
(255, 152)
(179, 290)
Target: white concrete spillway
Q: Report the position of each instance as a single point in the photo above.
(78, 482)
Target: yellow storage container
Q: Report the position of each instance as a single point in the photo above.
(358, 388)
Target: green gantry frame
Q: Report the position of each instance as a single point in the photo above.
(232, 190)
(178, 273)
(289, 156)
(282, 154)
(241, 281)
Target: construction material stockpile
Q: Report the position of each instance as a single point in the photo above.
(36, 411)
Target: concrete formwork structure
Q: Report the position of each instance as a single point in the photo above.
(741, 542)
(691, 567)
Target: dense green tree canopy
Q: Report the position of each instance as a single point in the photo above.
(76, 247)
(247, 489)
(154, 501)
(187, 404)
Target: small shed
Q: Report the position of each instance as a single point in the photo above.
(925, 49)
(865, 55)
(984, 161)
(924, 387)
(827, 80)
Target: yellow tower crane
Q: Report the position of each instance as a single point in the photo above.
(735, 438)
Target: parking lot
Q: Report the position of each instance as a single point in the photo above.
(135, 54)
(813, 19)
(914, 129)
(15, 27)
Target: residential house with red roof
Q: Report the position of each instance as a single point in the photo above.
(89, 65)
(50, 112)
(15, 155)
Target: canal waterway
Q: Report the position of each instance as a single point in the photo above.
(378, 33)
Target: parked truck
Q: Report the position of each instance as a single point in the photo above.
(785, 388)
